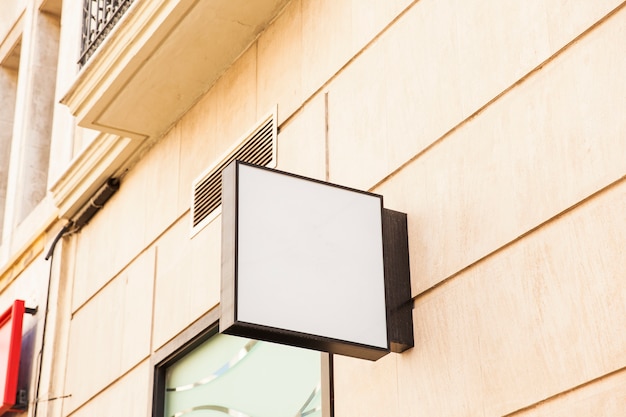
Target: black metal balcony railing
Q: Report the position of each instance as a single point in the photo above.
(99, 17)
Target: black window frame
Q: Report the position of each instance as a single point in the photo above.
(183, 343)
(196, 334)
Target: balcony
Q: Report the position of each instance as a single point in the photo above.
(99, 17)
(144, 64)
(145, 72)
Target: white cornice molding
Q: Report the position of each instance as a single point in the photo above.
(104, 157)
(131, 90)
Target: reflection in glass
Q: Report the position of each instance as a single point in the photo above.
(237, 377)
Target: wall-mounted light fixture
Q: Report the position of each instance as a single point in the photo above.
(312, 264)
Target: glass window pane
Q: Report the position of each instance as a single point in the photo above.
(229, 375)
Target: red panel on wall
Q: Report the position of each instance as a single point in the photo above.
(10, 346)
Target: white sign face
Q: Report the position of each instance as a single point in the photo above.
(309, 258)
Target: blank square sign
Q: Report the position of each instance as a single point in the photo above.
(302, 262)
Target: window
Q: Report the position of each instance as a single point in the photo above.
(9, 68)
(27, 100)
(220, 375)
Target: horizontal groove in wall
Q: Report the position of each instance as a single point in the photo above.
(529, 232)
(507, 90)
(144, 361)
(131, 260)
(440, 140)
(560, 395)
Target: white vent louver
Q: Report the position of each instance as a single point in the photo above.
(257, 147)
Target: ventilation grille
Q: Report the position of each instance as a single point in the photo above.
(258, 148)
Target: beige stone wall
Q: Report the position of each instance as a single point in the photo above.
(28, 63)
(496, 126)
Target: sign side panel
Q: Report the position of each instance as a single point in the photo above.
(229, 246)
(11, 341)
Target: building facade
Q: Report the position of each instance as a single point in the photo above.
(497, 126)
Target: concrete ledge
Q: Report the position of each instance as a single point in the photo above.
(103, 158)
(159, 59)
